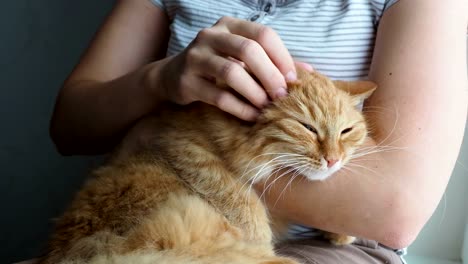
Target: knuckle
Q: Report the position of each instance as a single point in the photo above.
(224, 20)
(192, 56)
(265, 34)
(203, 34)
(221, 100)
(261, 98)
(244, 112)
(248, 47)
(274, 80)
(228, 70)
(247, 112)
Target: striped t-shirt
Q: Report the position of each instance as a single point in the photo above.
(335, 36)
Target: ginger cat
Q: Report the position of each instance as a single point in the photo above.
(178, 189)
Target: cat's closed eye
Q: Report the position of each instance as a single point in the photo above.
(347, 130)
(309, 127)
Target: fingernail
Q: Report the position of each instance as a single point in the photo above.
(281, 92)
(307, 67)
(291, 76)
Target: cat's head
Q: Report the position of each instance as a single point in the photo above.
(315, 129)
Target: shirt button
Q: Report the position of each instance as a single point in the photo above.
(267, 7)
(255, 17)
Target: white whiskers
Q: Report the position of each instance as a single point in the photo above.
(285, 163)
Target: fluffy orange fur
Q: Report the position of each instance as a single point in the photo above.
(178, 189)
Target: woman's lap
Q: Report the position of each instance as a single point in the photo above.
(317, 251)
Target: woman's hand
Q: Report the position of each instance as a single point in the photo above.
(226, 53)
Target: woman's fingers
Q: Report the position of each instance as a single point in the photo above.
(267, 38)
(237, 78)
(205, 62)
(209, 93)
(254, 56)
(233, 74)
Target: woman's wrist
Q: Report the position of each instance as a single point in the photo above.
(155, 87)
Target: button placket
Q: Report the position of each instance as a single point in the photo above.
(266, 7)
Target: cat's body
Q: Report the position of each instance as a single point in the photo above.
(178, 190)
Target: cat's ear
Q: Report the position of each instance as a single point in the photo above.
(360, 90)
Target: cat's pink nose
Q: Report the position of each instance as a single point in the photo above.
(331, 162)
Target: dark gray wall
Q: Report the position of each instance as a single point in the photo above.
(40, 42)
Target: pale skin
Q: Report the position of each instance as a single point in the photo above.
(419, 65)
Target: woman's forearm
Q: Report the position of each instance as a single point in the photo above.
(91, 116)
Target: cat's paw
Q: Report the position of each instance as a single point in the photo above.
(339, 239)
(343, 240)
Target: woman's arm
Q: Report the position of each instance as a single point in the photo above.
(420, 109)
(105, 92)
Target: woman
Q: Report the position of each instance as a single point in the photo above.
(414, 49)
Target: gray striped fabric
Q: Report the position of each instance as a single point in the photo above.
(335, 36)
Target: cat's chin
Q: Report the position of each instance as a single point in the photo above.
(322, 174)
